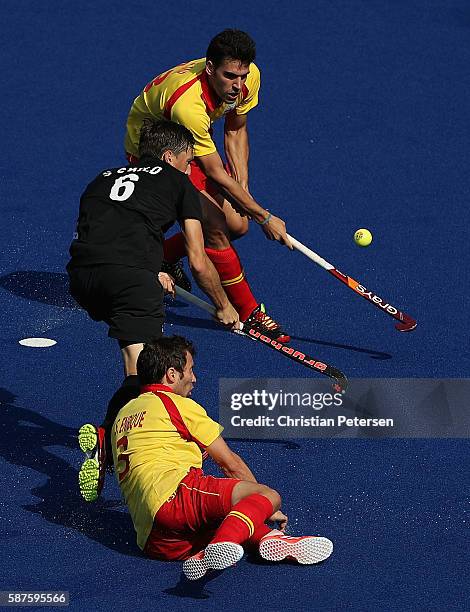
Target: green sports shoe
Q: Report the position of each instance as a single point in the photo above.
(91, 440)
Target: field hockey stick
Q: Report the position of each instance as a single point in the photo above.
(341, 382)
(406, 322)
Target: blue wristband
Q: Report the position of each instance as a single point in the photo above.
(266, 220)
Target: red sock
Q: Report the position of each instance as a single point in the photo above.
(232, 278)
(259, 533)
(174, 248)
(244, 519)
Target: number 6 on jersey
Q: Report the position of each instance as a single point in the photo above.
(127, 183)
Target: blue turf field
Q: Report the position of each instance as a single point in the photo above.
(363, 122)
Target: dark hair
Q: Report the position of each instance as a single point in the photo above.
(232, 45)
(156, 137)
(160, 355)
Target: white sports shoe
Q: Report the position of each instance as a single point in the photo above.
(217, 556)
(275, 546)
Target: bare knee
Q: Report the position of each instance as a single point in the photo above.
(244, 489)
(238, 227)
(272, 495)
(216, 238)
(237, 222)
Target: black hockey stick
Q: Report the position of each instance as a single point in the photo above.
(341, 382)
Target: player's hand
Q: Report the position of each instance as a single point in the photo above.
(167, 282)
(280, 518)
(228, 316)
(275, 229)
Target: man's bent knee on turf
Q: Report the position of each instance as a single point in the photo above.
(245, 488)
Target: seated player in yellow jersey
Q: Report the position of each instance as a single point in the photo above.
(225, 83)
(159, 441)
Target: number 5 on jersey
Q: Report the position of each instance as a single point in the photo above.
(122, 458)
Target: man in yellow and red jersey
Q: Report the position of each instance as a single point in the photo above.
(159, 441)
(195, 94)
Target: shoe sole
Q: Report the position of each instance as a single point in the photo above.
(87, 438)
(194, 569)
(88, 479)
(217, 556)
(306, 551)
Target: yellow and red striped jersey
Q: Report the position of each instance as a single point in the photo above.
(183, 95)
(156, 439)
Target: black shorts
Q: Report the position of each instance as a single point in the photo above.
(129, 300)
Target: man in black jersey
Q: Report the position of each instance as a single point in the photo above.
(116, 258)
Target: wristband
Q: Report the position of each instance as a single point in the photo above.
(266, 220)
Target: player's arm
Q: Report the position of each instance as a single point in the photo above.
(231, 464)
(273, 227)
(237, 149)
(204, 272)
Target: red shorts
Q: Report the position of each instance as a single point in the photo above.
(186, 523)
(197, 176)
(201, 181)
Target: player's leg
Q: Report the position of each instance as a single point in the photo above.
(230, 270)
(186, 522)
(87, 292)
(238, 508)
(136, 317)
(272, 544)
(134, 312)
(220, 222)
(237, 221)
(252, 504)
(129, 389)
(129, 354)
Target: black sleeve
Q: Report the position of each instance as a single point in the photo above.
(189, 206)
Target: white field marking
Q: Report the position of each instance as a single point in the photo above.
(37, 342)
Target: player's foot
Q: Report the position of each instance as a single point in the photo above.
(216, 556)
(305, 549)
(263, 323)
(91, 440)
(195, 567)
(177, 272)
